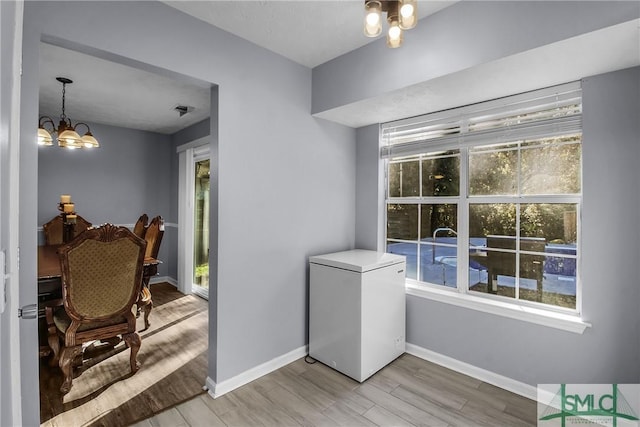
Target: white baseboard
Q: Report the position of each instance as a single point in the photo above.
(514, 386)
(497, 380)
(217, 390)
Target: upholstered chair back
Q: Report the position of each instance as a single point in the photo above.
(53, 229)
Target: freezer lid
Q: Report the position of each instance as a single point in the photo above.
(358, 260)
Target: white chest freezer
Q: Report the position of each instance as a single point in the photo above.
(357, 310)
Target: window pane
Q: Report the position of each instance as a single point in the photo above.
(555, 222)
(531, 272)
(546, 279)
(438, 264)
(201, 224)
(492, 258)
(549, 280)
(438, 225)
(404, 179)
(493, 172)
(493, 272)
(410, 251)
(491, 219)
(551, 168)
(439, 219)
(478, 271)
(441, 176)
(402, 221)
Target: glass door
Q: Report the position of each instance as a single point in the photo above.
(201, 226)
(194, 174)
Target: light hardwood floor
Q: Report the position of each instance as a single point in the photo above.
(173, 359)
(408, 392)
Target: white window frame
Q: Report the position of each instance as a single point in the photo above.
(446, 134)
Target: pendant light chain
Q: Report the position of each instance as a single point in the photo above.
(64, 90)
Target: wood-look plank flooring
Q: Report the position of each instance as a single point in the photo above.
(167, 391)
(407, 392)
(173, 358)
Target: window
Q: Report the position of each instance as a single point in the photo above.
(485, 199)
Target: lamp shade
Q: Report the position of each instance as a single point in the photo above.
(69, 138)
(394, 35)
(408, 14)
(88, 141)
(373, 18)
(44, 137)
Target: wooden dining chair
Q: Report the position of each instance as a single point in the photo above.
(101, 279)
(141, 226)
(153, 237)
(53, 229)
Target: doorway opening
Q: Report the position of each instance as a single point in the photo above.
(182, 369)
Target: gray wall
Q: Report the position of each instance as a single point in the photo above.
(611, 236)
(609, 351)
(128, 175)
(193, 132)
(369, 178)
(286, 180)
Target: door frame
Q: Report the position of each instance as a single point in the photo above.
(188, 153)
(12, 353)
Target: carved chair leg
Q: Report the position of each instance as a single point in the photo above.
(133, 341)
(147, 310)
(67, 356)
(144, 302)
(54, 343)
(52, 336)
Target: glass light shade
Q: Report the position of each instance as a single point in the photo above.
(73, 145)
(44, 137)
(373, 18)
(408, 14)
(69, 138)
(88, 141)
(394, 35)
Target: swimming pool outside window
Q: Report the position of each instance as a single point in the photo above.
(485, 199)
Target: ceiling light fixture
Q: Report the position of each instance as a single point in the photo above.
(401, 15)
(66, 132)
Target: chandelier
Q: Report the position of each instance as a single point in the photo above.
(401, 15)
(66, 132)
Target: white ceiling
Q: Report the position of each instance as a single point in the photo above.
(110, 93)
(309, 32)
(315, 32)
(114, 94)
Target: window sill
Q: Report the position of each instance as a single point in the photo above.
(565, 322)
